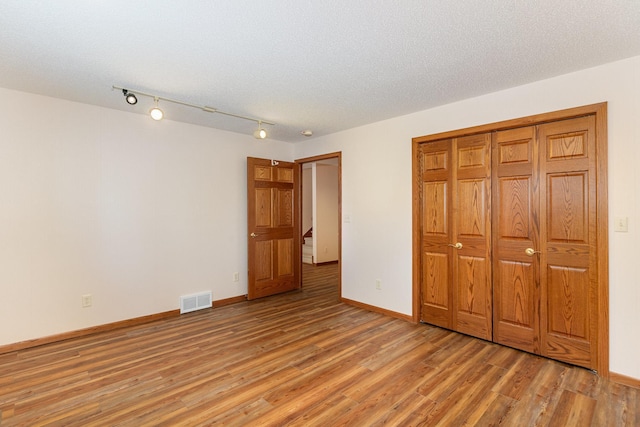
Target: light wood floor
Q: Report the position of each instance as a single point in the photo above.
(302, 358)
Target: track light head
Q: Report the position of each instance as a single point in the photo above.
(260, 133)
(156, 113)
(129, 97)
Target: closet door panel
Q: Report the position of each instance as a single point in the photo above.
(516, 282)
(472, 230)
(436, 292)
(473, 297)
(568, 258)
(568, 207)
(435, 223)
(473, 204)
(515, 204)
(514, 305)
(435, 289)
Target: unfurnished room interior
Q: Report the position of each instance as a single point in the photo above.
(363, 213)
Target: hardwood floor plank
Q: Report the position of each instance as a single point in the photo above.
(379, 380)
(477, 397)
(239, 393)
(536, 406)
(496, 412)
(318, 391)
(377, 400)
(303, 359)
(325, 412)
(412, 410)
(573, 409)
(519, 377)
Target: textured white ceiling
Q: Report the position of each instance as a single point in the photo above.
(324, 65)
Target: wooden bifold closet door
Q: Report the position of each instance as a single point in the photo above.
(545, 282)
(456, 267)
(509, 237)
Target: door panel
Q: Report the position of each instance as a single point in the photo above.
(516, 278)
(569, 291)
(271, 228)
(472, 202)
(456, 286)
(568, 207)
(435, 208)
(565, 317)
(284, 208)
(515, 204)
(285, 257)
(264, 260)
(472, 298)
(436, 291)
(516, 308)
(472, 228)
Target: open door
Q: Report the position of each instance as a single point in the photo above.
(274, 265)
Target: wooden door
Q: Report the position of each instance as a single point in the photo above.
(436, 216)
(272, 239)
(516, 278)
(545, 268)
(456, 267)
(472, 231)
(568, 244)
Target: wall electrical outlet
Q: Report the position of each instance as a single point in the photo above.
(378, 284)
(236, 277)
(87, 300)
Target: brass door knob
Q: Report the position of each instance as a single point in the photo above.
(531, 251)
(458, 245)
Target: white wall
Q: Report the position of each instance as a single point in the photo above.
(113, 204)
(376, 189)
(326, 219)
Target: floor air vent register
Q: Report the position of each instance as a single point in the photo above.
(194, 302)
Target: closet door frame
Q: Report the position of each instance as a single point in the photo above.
(599, 111)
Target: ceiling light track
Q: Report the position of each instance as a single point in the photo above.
(130, 95)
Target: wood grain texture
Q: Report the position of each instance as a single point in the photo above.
(272, 228)
(302, 359)
(568, 240)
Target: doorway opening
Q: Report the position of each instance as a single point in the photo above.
(320, 212)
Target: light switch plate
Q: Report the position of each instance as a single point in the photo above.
(621, 224)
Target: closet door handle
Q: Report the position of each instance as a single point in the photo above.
(254, 235)
(531, 251)
(457, 245)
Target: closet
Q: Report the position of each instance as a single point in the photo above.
(510, 227)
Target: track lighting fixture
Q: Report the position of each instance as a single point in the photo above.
(260, 133)
(129, 97)
(157, 114)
